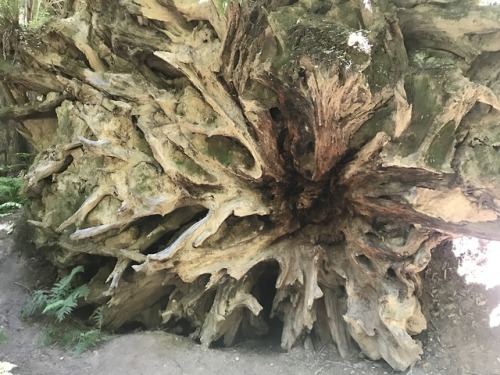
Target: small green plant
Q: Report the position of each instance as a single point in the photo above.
(13, 14)
(87, 340)
(3, 337)
(60, 301)
(11, 198)
(57, 304)
(10, 188)
(9, 12)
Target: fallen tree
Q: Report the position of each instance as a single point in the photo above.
(225, 164)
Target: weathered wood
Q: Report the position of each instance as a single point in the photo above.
(231, 163)
(51, 102)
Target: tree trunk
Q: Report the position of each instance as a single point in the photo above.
(224, 163)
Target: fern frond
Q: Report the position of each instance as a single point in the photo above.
(10, 187)
(81, 292)
(53, 306)
(97, 317)
(65, 309)
(10, 206)
(87, 340)
(35, 305)
(62, 288)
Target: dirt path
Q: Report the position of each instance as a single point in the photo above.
(459, 340)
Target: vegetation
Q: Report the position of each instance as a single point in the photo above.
(57, 304)
(3, 337)
(11, 198)
(15, 14)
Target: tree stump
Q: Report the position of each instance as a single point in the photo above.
(228, 163)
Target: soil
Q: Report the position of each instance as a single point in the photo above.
(458, 340)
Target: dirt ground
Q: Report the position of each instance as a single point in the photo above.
(458, 340)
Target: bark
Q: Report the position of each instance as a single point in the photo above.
(223, 164)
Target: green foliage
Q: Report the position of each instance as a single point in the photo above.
(62, 306)
(60, 301)
(10, 190)
(35, 305)
(9, 12)
(221, 6)
(40, 17)
(97, 317)
(3, 337)
(9, 207)
(73, 336)
(57, 304)
(13, 14)
(86, 340)
(11, 198)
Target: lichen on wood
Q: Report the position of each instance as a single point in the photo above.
(223, 165)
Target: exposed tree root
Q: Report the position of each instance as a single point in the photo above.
(223, 164)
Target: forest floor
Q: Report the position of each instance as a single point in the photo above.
(458, 340)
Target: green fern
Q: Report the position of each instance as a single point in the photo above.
(62, 288)
(58, 303)
(86, 340)
(11, 198)
(97, 317)
(10, 188)
(60, 311)
(35, 305)
(8, 208)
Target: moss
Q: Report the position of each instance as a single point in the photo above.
(348, 12)
(142, 176)
(489, 161)
(59, 209)
(98, 215)
(188, 166)
(425, 108)
(66, 194)
(389, 64)
(441, 145)
(432, 60)
(229, 152)
(381, 121)
(381, 70)
(65, 131)
(323, 41)
(283, 19)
